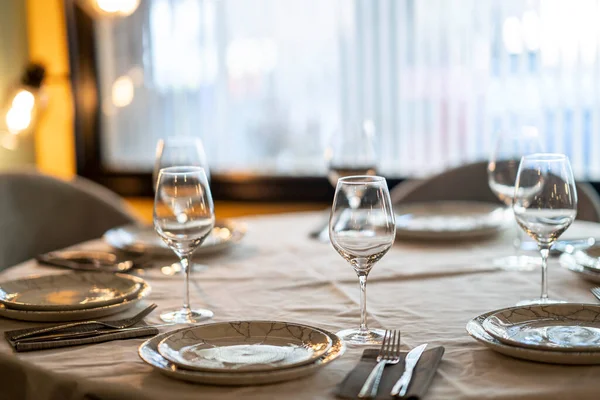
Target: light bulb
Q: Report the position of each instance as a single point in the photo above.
(17, 120)
(122, 91)
(24, 100)
(121, 8)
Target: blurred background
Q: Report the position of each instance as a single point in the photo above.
(266, 83)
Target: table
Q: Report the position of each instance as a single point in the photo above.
(429, 291)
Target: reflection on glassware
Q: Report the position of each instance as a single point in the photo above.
(545, 205)
(179, 151)
(362, 231)
(183, 218)
(502, 173)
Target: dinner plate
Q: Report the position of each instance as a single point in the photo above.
(450, 220)
(559, 327)
(77, 315)
(243, 346)
(65, 292)
(148, 352)
(144, 239)
(476, 331)
(570, 262)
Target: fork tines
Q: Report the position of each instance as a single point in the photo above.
(596, 292)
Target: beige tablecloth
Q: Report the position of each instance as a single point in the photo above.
(429, 291)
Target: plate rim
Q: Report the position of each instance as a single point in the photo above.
(244, 378)
(15, 305)
(474, 329)
(192, 367)
(487, 325)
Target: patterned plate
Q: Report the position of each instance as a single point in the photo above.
(148, 352)
(143, 239)
(244, 346)
(76, 315)
(476, 331)
(66, 292)
(559, 327)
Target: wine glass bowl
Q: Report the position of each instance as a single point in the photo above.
(362, 228)
(545, 204)
(177, 151)
(183, 218)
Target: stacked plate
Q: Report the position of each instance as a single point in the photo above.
(586, 263)
(450, 220)
(143, 239)
(242, 352)
(70, 297)
(567, 333)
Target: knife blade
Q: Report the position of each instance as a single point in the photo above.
(79, 335)
(412, 358)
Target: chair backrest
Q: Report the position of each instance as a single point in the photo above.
(39, 213)
(470, 183)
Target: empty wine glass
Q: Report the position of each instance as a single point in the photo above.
(362, 229)
(183, 217)
(509, 148)
(545, 205)
(176, 151)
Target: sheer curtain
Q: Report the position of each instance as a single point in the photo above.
(265, 82)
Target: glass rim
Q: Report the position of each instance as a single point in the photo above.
(361, 179)
(545, 157)
(181, 170)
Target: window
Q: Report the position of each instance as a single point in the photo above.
(265, 82)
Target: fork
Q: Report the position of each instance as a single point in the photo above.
(389, 354)
(116, 324)
(596, 292)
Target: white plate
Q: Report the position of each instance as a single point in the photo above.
(148, 352)
(76, 315)
(64, 292)
(476, 331)
(144, 239)
(570, 262)
(243, 346)
(564, 327)
(450, 220)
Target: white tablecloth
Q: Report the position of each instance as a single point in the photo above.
(427, 290)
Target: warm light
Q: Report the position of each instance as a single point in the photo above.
(120, 7)
(9, 142)
(24, 100)
(17, 120)
(122, 91)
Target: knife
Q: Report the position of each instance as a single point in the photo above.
(79, 335)
(412, 358)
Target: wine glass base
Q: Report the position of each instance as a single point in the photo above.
(358, 337)
(517, 263)
(186, 316)
(539, 301)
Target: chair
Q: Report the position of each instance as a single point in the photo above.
(470, 183)
(39, 213)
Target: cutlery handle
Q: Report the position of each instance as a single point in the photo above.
(401, 386)
(51, 329)
(369, 389)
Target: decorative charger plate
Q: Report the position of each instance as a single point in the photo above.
(148, 352)
(65, 292)
(570, 262)
(244, 346)
(559, 327)
(476, 331)
(449, 220)
(143, 238)
(77, 315)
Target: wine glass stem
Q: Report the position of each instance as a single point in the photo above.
(362, 280)
(185, 264)
(544, 251)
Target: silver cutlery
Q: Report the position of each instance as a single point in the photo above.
(118, 324)
(389, 354)
(596, 292)
(412, 358)
(79, 335)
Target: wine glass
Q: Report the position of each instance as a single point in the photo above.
(362, 228)
(177, 151)
(502, 174)
(351, 151)
(183, 217)
(545, 205)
